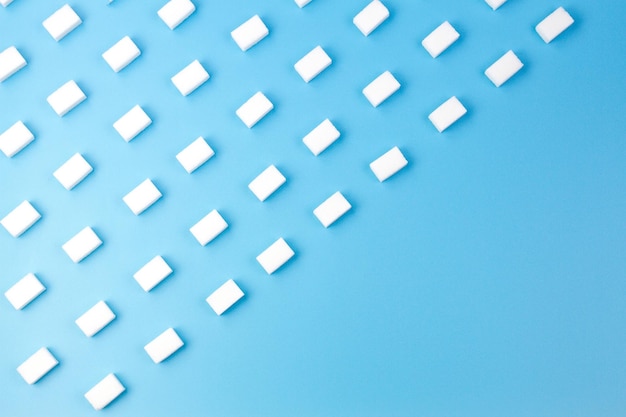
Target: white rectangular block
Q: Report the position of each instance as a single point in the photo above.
(62, 22)
(447, 114)
(300, 3)
(440, 39)
(15, 138)
(142, 197)
(73, 171)
(371, 17)
(209, 227)
(320, 138)
(381, 88)
(332, 209)
(175, 12)
(120, 55)
(275, 256)
(555, 24)
(163, 346)
(20, 219)
(132, 123)
(195, 154)
(249, 33)
(267, 182)
(313, 63)
(95, 319)
(151, 274)
(254, 109)
(82, 245)
(24, 291)
(495, 4)
(504, 68)
(5, 3)
(190, 78)
(224, 297)
(66, 97)
(11, 61)
(388, 164)
(104, 392)
(38, 365)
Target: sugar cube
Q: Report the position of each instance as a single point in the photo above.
(447, 114)
(267, 182)
(208, 228)
(224, 297)
(164, 345)
(249, 33)
(24, 291)
(275, 256)
(195, 154)
(20, 219)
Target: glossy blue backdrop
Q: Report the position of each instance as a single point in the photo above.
(486, 279)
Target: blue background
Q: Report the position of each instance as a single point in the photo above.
(486, 279)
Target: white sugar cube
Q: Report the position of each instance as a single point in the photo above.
(381, 88)
(66, 97)
(313, 63)
(190, 78)
(73, 171)
(208, 228)
(495, 4)
(62, 22)
(275, 256)
(24, 291)
(504, 68)
(555, 24)
(320, 138)
(175, 12)
(11, 61)
(152, 273)
(104, 392)
(440, 39)
(132, 123)
(388, 164)
(332, 209)
(254, 109)
(20, 219)
(164, 345)
(267, 182)
(142, 197)
(195, 154)
(15, 138)
(371, 17)
(82, 245)
(95, 319)
(38, 365)
(224, 297)
(120, 55)
(5, 3)
(448, 113)
(249, 33)
(300, 3)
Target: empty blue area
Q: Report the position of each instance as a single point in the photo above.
(486, 279)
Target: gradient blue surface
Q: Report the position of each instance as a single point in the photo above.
(486, 279)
